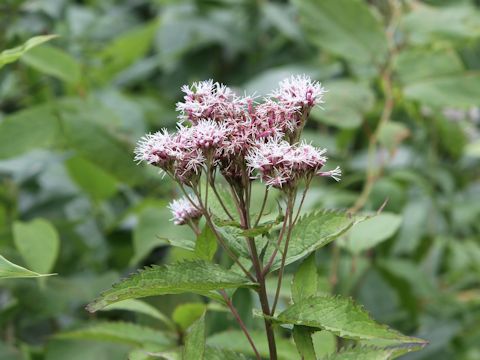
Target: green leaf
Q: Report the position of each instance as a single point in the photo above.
(347, 28)
(312, 232)
(84, 350)
(128, 47)
(195, 341)
(343, 318)
(32, 128)
(55, 62)
(11, 55)
(418, 64)
(373, 231)
(392, 134)
(346, 103)
(141, 307)
(305, 280)
(91, 178)
(303, 339)
(364, 353)
(462, 91)
(38, 243)
(9, 270)
(104, 149)
(121, 332)
(206, 244)
(212, 353)
(155, 229)
(186, 314)
(235, 340)
(198, 277)
(428, 23)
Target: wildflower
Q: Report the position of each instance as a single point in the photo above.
(335, 174)
(207, 134)
(299, 91)
(157, 149)
(269, 158)
(273, 118)
(184, 211)
(208, 100)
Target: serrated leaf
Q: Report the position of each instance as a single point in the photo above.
(11, 55)
(55, 62)
(195, 341)
(302, 335)
(38, 243)
(121, 332)
(206, 244)
(342, 317)
(344, 27)
(9, 270)
(235, 340)
(305, 280)
(140, 307)
(198, 277)
(312, 232)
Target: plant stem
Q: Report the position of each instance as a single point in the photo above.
(262, 291)
(224, 207)
(240, 322)
(219, 237)
(284, 257)
(265, 197)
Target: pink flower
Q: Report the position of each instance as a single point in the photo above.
(183, 211)
(159, 149)
(273, 118)
(335, 174)
(209, 100)
(299, 91)
(269, 158)
(208, 134)
(280, 164)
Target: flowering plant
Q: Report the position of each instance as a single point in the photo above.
(223, 145)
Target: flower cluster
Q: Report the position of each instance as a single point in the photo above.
(242, 138)
(280, 164)
(183, 211)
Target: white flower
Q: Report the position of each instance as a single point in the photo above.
(299, 90)
(183, 211)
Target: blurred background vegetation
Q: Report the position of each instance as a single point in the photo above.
(401, 117)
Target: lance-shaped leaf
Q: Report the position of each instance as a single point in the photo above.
(195, 341)
(344, 318)
(9, 270)
(200, 277)
(11, 55)
(121, 332)
(313, 231)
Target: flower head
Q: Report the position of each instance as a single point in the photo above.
(299, 91)
(159, 149)
(208, 100)
(269, 158)
(208, 134)
(184, 211)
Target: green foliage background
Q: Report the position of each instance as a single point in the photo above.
(73, 202)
